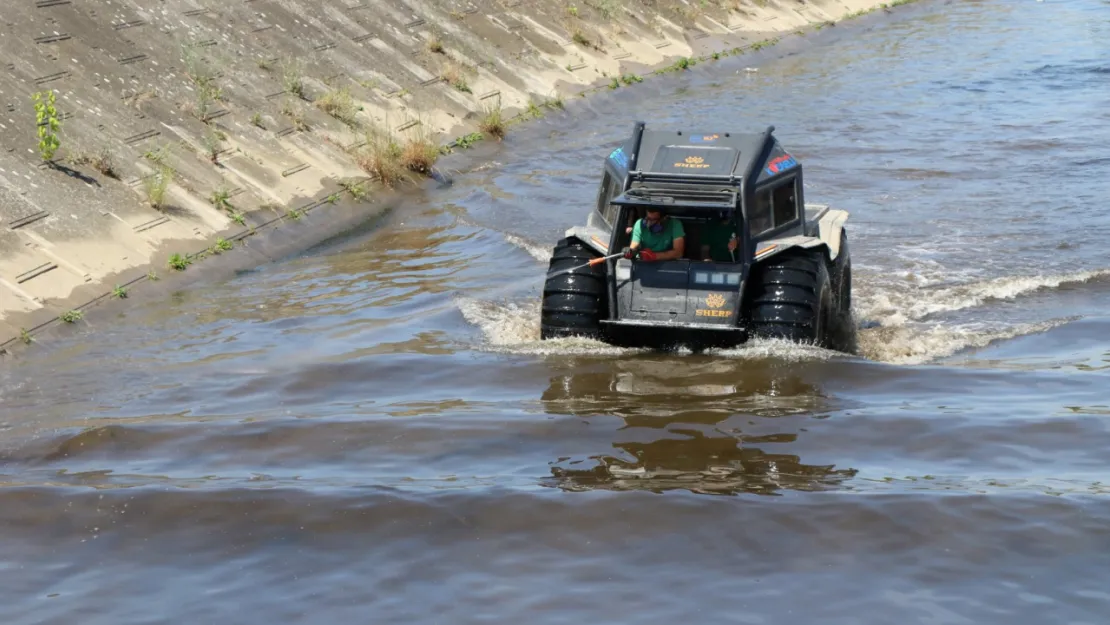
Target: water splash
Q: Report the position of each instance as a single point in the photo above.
(916, 345)
(535, 251)
(896, 307)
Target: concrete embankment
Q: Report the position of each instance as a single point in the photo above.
(184, 127)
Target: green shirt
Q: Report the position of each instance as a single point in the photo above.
(716, 236)
(662, 242)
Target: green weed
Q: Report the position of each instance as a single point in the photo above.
(291, 77)
(179, 262)
(46, 116)
(493, 122)
(211, 142)
(339, 104)
(221, 199)
(356, 189)
(381, 158)
(467, 141)
(71, 316)
(156, 186)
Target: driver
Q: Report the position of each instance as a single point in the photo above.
(661, 237)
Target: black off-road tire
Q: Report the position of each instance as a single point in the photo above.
(573, 302)
(842, 325)
(791, 298)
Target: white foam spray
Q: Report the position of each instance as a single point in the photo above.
(895, 307)
(535, 251)
(900, 337)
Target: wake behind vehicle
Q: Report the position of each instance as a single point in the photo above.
(789, 277)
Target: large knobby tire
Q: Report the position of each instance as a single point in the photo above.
(842, 323)
(791, 298)
(573, 302)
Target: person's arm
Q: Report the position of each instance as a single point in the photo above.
(628, 251)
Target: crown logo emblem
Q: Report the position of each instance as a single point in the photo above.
(715, 300)
(694, 160)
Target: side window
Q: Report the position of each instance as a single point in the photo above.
(611, 210)
(784, 204)
(603, 193)
(759, 221)
(774, 208)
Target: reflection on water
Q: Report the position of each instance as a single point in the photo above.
(682, 424)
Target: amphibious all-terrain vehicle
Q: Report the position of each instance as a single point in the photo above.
(789, 276)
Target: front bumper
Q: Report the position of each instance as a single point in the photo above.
(669, 335)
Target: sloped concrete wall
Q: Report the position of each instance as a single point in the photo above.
(209, 90)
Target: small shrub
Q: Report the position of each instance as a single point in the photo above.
(493, 123)
(555, 102)
(256, 120)
(221, 245)
(572, 11)
(419, 154)
(120, 292)
(614, 83)
(453, 74)
(152, 275)
(295, 116)
(291, 77)
(221, 199)
(211, 141)
(179, 262)
(629, 79)
(435, 45)
(25, 336)
(381, 158)
(46, 117)
(581, 39)
(465, 142)
(294, 214)
(156, 185)
(158, 156)
(606, 8)
(238, 218)
(71, 316)
(339, 104)
(102, 161)
(356, 189)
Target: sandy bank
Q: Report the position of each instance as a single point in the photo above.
(193, 129)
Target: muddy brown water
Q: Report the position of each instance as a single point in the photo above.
(371, 431)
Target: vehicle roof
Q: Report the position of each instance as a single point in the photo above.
(705, 154)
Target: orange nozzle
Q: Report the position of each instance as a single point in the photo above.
(597, 261)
